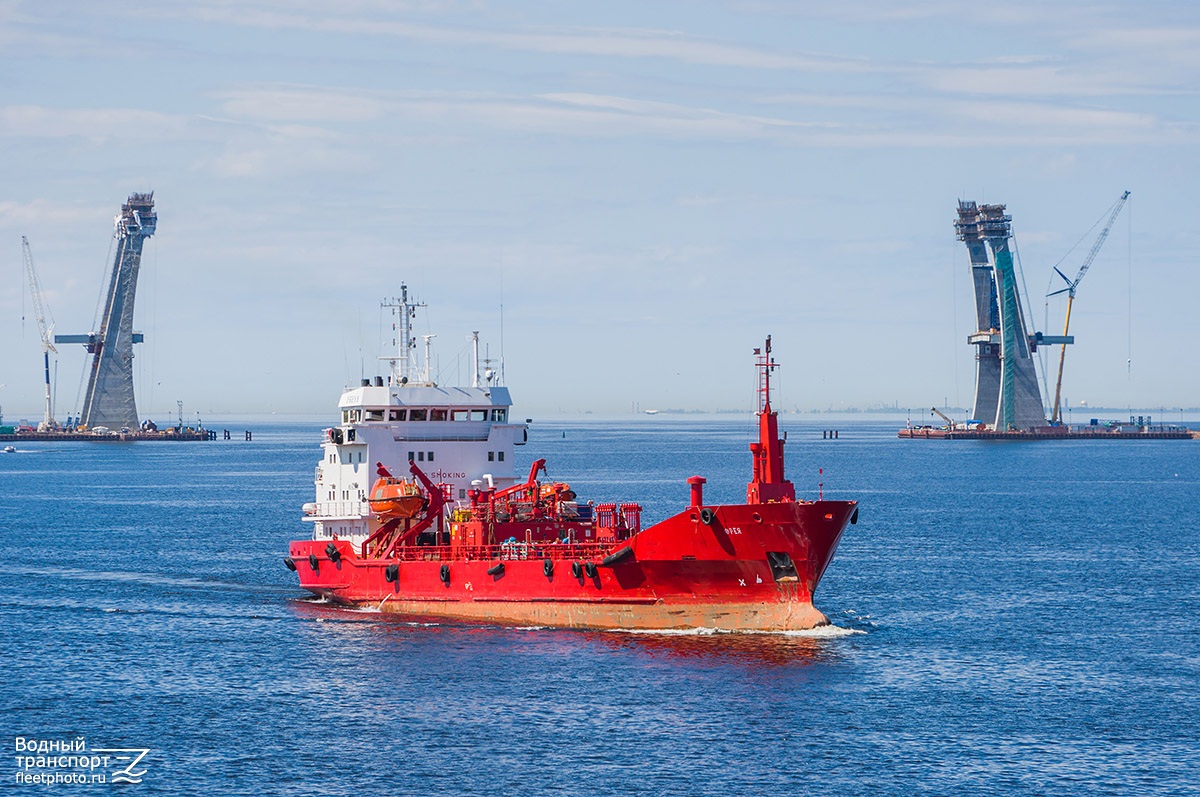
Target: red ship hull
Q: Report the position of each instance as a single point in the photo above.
(751, 567)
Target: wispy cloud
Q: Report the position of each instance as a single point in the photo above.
(98, 124)
(1058, 118)
(1063, 79)
(265, 143)
(1167, 46)
(824, 120)
(19, 215)
(566, 40)
(302, 104)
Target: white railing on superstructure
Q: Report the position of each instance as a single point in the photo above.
(338, 510)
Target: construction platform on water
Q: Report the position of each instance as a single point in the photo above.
(1008, 402)
(172, 434)
(1109, 430)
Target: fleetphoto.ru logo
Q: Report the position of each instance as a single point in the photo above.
(72, 761)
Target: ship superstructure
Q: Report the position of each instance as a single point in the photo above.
(461, 437)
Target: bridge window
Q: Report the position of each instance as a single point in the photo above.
(395, 415)
(437, 415)
(500, 416)
(374, 415)
(461, 415)
(418, 415)
(479, 415)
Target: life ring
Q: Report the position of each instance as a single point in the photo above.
(707, 516)
(548, 567)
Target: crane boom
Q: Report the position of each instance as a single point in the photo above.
(35, 289)
(1072, 285)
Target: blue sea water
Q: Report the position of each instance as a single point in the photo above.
(1010, 618)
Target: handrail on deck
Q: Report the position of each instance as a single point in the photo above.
(519, 551)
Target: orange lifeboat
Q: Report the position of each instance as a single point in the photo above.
(395, 498)
(559, 491)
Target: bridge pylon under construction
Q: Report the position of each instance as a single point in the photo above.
(1007, 396)
(109, 400)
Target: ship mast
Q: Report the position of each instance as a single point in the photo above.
(768, 483)
(406, 310)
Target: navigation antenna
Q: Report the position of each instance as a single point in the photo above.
(403, 311)
(765, 365)
(426, 378)
(475, 358)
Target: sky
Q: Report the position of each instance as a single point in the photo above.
(624, 198)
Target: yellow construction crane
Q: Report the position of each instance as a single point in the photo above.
(35, 288)
(943, 416)
(1070, 291)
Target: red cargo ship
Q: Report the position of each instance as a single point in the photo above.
(531, 553)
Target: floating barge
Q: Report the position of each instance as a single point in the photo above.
(1095, 431)
(174, 434)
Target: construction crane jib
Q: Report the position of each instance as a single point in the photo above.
(35, 289)
(1072, 285)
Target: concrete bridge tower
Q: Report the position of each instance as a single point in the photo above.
(109, 400)
(1006, 389)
